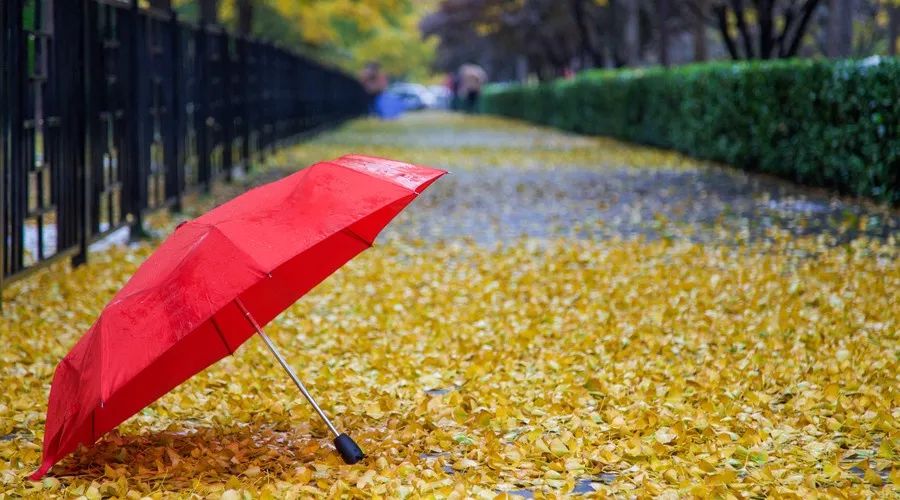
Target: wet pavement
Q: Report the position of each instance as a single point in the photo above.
(509, 180)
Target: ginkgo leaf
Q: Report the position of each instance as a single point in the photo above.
(468, 360)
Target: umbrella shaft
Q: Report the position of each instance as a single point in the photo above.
(287, 368)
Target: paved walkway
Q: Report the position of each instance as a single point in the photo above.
(604, 352)
(511, 179)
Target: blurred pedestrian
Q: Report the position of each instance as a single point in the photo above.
(452, 84)
(471, 78)
(375, 82)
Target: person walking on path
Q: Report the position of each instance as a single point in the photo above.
(471, 78)
(452, 84)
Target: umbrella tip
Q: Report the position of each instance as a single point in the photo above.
(349, 450)
(39, 474)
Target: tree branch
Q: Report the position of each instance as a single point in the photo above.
(764, 12)
(789, 16)
(808, 8)
(738, 7)
(581, 20)
(722, 17)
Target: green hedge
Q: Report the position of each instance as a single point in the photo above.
(833, 124)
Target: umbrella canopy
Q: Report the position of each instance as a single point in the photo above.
(188, 305)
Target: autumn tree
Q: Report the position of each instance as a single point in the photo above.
(346, 33)
(552, 36)
(351, 32)
(544, 32)
(758, 29)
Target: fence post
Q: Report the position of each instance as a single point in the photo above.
(5, 74)
(102, 86)
(14, 76)
(263, 96)
(137, 183)
(201, 111)
(245, 102)
(83, 173)
(176, 112)
(228, 109)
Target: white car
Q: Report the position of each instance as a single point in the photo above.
(442, 96)
(413, 95)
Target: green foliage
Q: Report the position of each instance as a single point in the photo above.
(832, 124)
(345, 33)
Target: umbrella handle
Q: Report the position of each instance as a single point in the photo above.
(349, 450)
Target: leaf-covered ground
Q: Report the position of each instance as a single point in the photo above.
(561, 315)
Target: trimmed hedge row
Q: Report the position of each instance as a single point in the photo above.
(833, 124)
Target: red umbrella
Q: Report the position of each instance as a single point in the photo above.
(212, 283)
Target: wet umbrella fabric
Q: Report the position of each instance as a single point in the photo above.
(213, 282)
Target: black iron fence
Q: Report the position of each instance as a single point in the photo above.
(110, 111)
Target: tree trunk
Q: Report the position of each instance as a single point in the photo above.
(591, 56)
(556, 58)
(662, 17)
(209, 11)
(766, 17)
(245, 17)
(840, 28)
(727, 39)
(632, 32)
(846, 33)
(831, 42)
(893, 29)
(701, 52)
(809, 7)
(739, 13)
(522, 68)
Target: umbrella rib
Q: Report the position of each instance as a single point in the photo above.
(372, 176)
(355, 235)
(218, 330)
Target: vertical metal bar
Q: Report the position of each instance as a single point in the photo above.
(134, 163)
(201, 109)
(286, 367)
(243, 68)
(249, 95)
(82, 134)
(227, 112)
(16, 85)
(175, 113)
(5, 71)
(95, 89)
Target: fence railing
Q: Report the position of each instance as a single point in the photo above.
(110, 111)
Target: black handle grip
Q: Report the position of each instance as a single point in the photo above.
(348, 449)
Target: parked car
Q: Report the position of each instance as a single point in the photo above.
(413, 95)
(442, 96)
